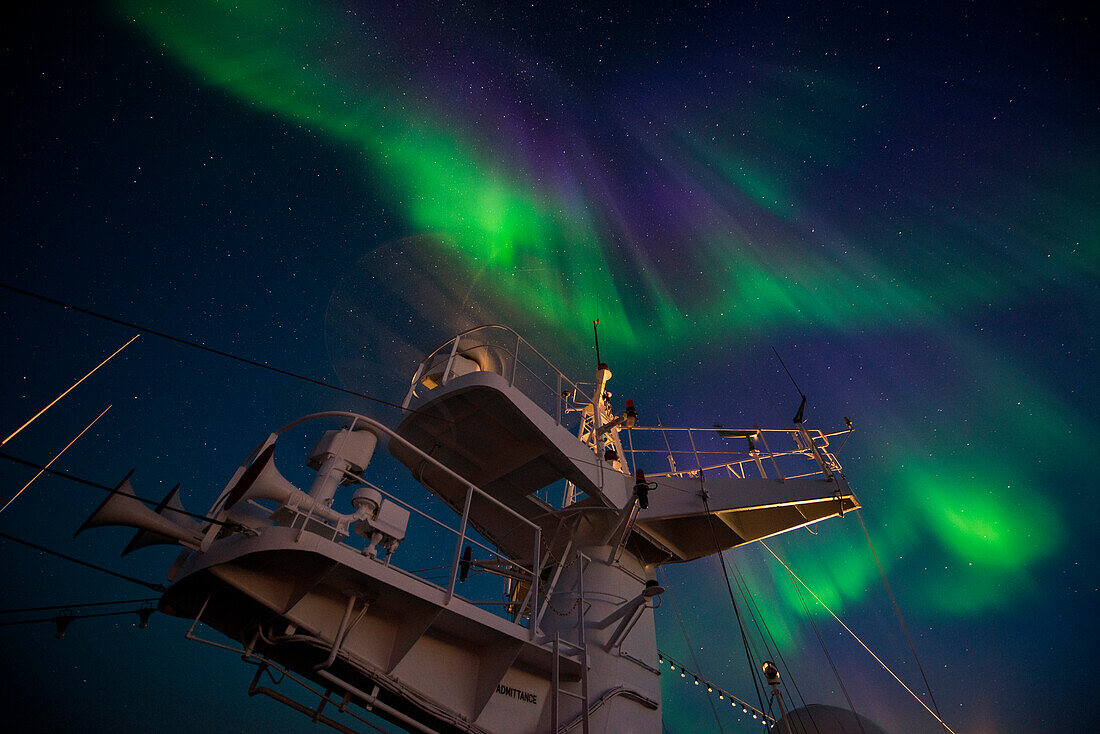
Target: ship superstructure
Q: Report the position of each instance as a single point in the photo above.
(572, 505)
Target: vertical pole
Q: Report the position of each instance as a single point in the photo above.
(458, 545)
(814, 450)
(450, 362)
(771, 673)
(759, 465)
(412, 387)
(782, 711)
(632, 466)
(698, 463)
(554, 684)
(553, 582)
(536, 567)
(771, 456)
(515, 362)
(581, 639)
(560, 398)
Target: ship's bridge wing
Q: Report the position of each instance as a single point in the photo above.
(678, 524)
(491, 409)
(497, 439)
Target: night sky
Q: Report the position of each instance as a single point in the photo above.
(901, 201)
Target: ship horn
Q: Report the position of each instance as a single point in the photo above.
(262, 481)
(122, 508)
(145, 538)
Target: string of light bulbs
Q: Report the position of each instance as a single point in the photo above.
(746, 708)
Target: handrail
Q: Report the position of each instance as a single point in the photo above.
(708, 448)
(817, 434)
(470, 331)
(414, 509)
(394, 435)
(359, 419)
(810, 444)
(509, 349)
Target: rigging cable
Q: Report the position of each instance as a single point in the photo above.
(758, 619)
(74, 386)
(824, 649)
(211, 350)
(743, 587)
(79, 606)
(860, 641)
(44, 469)
(105, 488)
(76, 616)
(755, 616)
(691, 651)
(733, 601)
(897, 610)
(131, 579)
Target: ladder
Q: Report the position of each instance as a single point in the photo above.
(581, 648)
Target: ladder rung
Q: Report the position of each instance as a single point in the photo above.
(570, 693)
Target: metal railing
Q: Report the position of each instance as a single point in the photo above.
(528, 572)
(776, 453)
(498, 349)
(767, 453)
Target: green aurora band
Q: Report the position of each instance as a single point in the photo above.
(549, 253)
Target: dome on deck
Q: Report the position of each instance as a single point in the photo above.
(821, 719)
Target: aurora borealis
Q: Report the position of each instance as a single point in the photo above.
(902, 202)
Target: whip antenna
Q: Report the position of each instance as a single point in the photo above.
(802, 406)
(596, 334)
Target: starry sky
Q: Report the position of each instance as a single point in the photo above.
(901, 201)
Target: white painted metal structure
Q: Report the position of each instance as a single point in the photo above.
(498, 433)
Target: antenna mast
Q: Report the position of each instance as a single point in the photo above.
(798, 419)
(596, 334)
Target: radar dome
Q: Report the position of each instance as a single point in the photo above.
(820, 719)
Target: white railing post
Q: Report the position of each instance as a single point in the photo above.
(698, 463)
(461, 540)
(561, 398)
(450, 362)
(412, 387)
(814, 450)
(515, 362)
(535, 568)
(555, 690)
(771, 456)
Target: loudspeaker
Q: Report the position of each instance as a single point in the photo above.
(144, 538)
(122, 508)
(262, 481)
